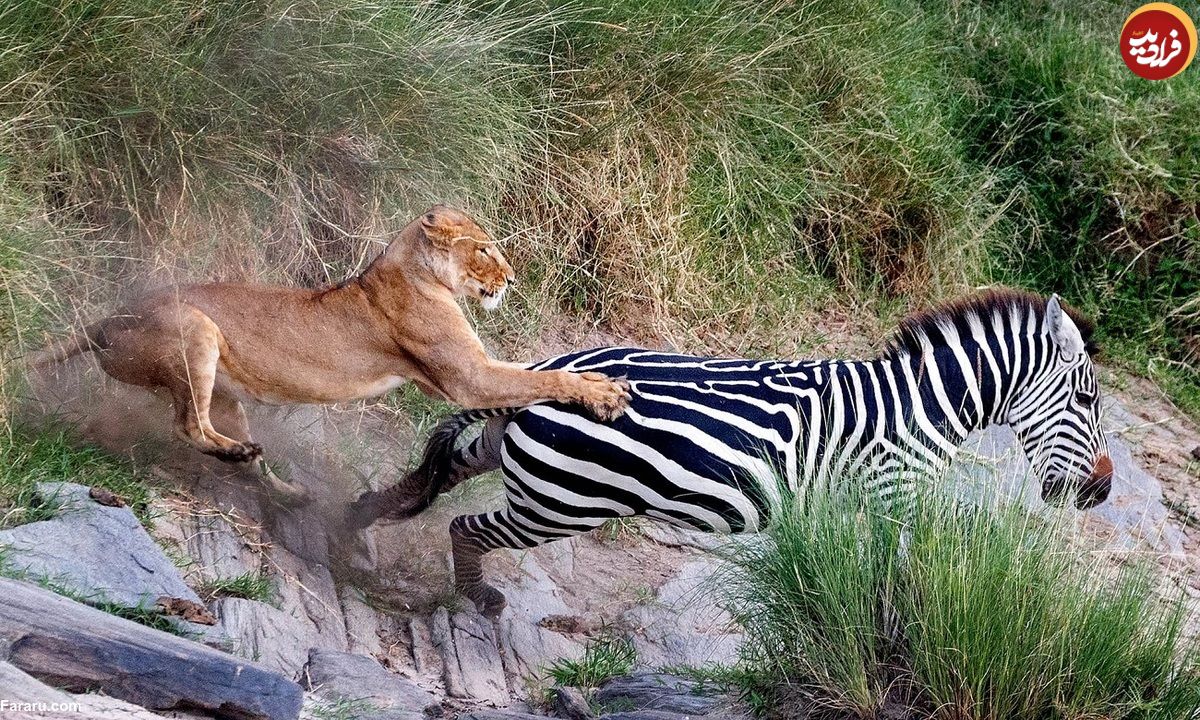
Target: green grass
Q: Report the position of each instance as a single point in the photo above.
(28, 458)
(985, 614)
(341, 709)
(248, 586)
(151, 617)
(604, 658)
(705, 171)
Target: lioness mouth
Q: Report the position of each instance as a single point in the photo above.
(490, 299)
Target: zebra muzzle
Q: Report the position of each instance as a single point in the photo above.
(1096, 488)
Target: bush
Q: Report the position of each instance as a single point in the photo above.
(969, 613)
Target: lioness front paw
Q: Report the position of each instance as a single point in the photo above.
(607, 397)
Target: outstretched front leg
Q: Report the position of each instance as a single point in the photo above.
(488, 383)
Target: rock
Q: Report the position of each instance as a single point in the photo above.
(276, 638)
(103, 707)
(79, 648)
(343, 676)
(531, 627)
(570, 704)
(362, 623)
(501, 715)
(656, 691)
(18, 686)
(101, 553)
(473, 668)
(308, 616)
(649, 715)
(683, 626)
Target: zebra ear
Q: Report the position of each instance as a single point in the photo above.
(1062, 328)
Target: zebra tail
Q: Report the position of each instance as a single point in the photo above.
(419, 488)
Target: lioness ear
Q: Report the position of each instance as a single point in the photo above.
(1063, 330)
(440, 232)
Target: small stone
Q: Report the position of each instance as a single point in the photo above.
(570, 704)
(106, 497)
(193, 612)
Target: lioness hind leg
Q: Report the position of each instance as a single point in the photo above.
(190, 376)
(229, 415)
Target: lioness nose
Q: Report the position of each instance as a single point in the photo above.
(1095, 489)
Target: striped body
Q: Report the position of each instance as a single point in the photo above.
(714, 444)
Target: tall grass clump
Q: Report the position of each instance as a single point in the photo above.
(815, 598)
(966, 613)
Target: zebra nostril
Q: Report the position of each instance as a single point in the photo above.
(1096, 488)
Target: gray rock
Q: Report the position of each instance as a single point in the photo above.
(362, 623)
(534, 596)
(102, 553)
(570, 704)
(649, 715)
(500, 715)
(308, 616)
(683, 626)
(343, 676)
(473, 668)
(277, 638)
(103, 707)
(656, 691)
(79, 648)
(18, 686)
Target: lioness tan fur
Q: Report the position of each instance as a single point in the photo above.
(211, 345)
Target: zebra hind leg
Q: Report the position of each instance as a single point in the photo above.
(473, 536)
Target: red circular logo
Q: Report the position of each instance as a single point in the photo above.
(1158, 41)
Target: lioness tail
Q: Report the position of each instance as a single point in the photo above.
(80, 342)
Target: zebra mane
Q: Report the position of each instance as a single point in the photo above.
(921, 326)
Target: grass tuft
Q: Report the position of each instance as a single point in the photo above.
(28, 458)
(969, 613)
(248, 586)
(604, 658)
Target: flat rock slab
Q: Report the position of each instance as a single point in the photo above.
(101, 553)
(18, 686)
(470, 655)
(658, 692)
(78, 648)
(343, 676)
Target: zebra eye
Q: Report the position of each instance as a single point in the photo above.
(1084, 398)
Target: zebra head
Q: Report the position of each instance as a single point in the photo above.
(1056, 413)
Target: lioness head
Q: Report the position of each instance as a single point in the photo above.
(469, 261)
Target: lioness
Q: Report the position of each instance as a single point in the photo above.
(209, 345)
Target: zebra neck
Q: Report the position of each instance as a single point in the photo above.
(959, 389)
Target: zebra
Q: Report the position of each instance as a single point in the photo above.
(715, 444)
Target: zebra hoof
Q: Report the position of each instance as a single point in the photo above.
(489, 601)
